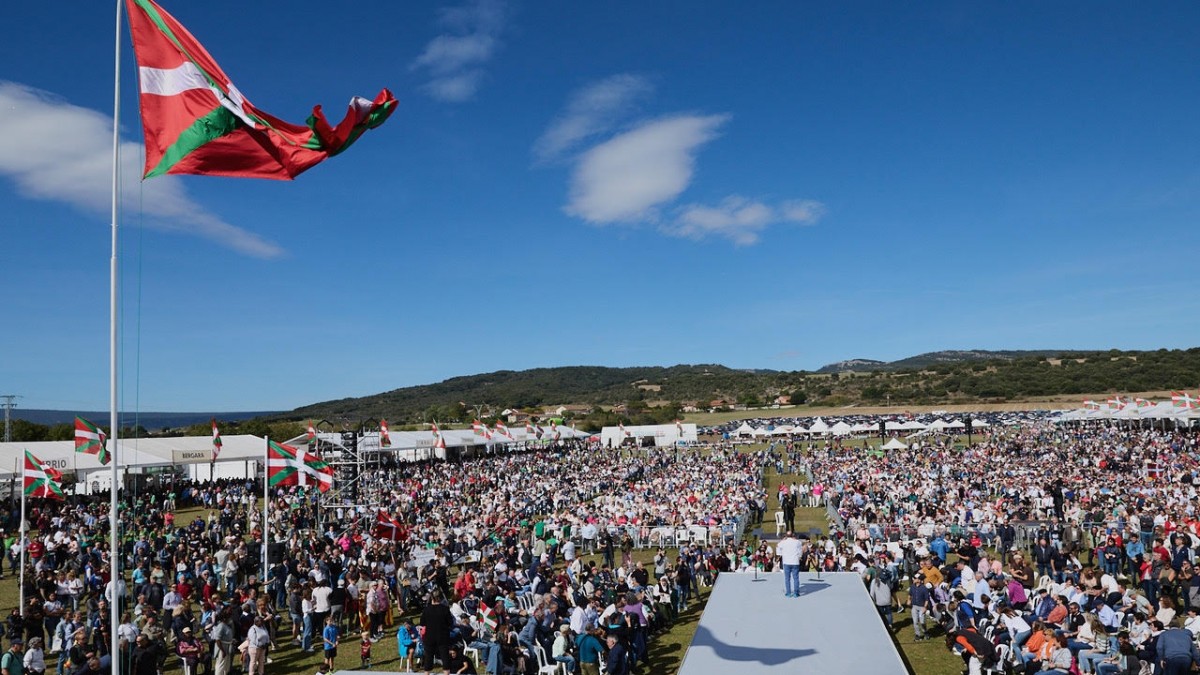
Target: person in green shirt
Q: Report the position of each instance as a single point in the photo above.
(13, 661)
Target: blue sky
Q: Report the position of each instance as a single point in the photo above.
(768, 185)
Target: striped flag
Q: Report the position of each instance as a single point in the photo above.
(294, 466)
(502, 429)
(216, 440)
(197, 122)
(311, 432)
(89, 439)
(486, 616)
(385, 441)
(39, 479)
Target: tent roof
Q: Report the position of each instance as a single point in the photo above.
(895, 444)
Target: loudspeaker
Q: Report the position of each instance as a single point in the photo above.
(275, 553)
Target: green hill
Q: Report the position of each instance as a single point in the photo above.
(937, 377)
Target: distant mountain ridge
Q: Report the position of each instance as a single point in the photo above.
(149, 420)
(941, 357)
(602, 395)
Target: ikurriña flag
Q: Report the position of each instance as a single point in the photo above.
(40, 479)
(197, 122)
(91, 440)
(295, 466)
(216, 440)
(385, 440)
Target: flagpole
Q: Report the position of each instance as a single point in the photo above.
(266, 505)
(22, 556)
(114, 428)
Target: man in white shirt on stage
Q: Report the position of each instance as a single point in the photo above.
(789, 551)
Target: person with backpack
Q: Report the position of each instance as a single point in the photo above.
(13, 661)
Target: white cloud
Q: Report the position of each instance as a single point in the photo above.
(453, 59)
(626, 177)
(740, 220)
(591, 111)
(56, 151)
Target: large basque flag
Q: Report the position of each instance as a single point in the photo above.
(197, 122)
(39, 480)
(294, 466)
(90, 439)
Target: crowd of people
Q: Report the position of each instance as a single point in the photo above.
(1071, 547)
(482, 557)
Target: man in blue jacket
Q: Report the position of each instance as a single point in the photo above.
(1176, 651)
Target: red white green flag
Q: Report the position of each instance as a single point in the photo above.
(197, 122)
(502, 429)
(1181, 399)
(39, 480)
(91, 440)
(311, 433)
(295, 466)
(440, 443)
(1091, 405)
(479, 428)
(216, 440)
(385, 441)
(486, 616)
(529, 428)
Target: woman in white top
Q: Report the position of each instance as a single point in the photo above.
(35, 657)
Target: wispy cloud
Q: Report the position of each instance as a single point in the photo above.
(591, 111)
(624, 178)
(635, 176)
(455, 58)
(56, 151)
(741, 220)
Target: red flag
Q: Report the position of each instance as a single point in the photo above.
(385, 441)
(197, 122)
(387, 527)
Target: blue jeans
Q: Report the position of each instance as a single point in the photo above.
(306, 633)
(791, 580)
(885, 612)
(489, 655)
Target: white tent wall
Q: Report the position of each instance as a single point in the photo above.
(239, 458)
(663, 434)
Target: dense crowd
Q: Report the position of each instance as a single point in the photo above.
(487, 554)
(1072, 547)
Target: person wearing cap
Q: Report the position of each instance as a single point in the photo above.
(920, 600)
(337, 603)
(189, 650)
(13, 662)
(35, 658)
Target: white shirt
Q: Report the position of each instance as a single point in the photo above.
(789, 550)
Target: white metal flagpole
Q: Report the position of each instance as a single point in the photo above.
(21, 558)
(266, 510)
(114, 546)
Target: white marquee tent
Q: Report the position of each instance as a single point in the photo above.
(663, 434)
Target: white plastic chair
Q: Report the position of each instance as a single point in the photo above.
(779, 524)
(544, 666)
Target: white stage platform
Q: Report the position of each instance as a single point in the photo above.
(750, 628)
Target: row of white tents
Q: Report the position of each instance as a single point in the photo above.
(1163, 410)
(842, 428)
(241, 455)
